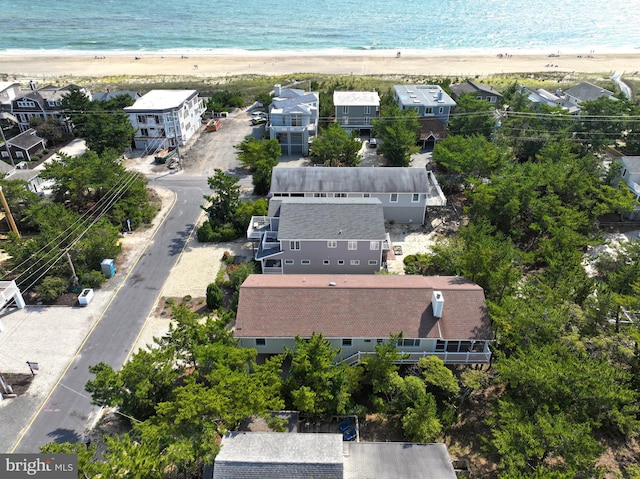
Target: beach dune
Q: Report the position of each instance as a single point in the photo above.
(18, 67)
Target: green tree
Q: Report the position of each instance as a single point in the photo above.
(316, 385)
(473, 155)
(252, 151)
(336, 147)
(473, 117)
(224, 200)
(398, 129)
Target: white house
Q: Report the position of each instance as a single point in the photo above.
(165, 118)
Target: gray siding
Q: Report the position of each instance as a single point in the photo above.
(317, 253)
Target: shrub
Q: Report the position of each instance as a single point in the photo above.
(214, 296)
(227, 257)
(50, 288)
(205, 233)
(186, 298)
(92, 279)
(243, 270)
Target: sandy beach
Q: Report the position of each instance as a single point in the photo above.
(18, 67)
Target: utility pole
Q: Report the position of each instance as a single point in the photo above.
(73, 270)
(7, 211)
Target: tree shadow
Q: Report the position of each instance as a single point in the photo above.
(64, 435)
(178, 242)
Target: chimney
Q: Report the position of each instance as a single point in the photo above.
(437, 303)
(439, 95)
(32, 85)
(277, 90)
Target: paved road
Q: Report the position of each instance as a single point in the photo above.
(67, 412)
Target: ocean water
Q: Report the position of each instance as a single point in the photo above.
(472, 26)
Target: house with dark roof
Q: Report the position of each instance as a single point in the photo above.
(426, 100)
(404, 193)
(443, 316)
(43, 103)
(293, 119)
(24, 146)
(354, 110)
(247, 455)
(110, 95)
(320, 235)
(586, 91)
(479, 91)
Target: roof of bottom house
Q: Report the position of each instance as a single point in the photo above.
(360, 306)
(323, 456)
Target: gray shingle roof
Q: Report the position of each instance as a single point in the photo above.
(472, 87)
(397, 460)
(349, 180)
(331, 218)
(26, 140)
(586, 91)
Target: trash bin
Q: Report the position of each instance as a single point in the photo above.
(108, 268)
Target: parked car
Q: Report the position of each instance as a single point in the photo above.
(259, 114)
(258, 120)
(373, 143)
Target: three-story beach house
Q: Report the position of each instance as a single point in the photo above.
(355, 110)
(165, 119)
(427, 100)
(293, 119)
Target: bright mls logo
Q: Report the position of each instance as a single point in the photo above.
(51, 466)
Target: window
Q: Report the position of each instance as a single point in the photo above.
(491, 99)
(440, 345)
(411, 343)
(441, 110)
(332, 244)
(367, 120)
(144, 132)
(26, 104)
(345, 120)
(393, 198)
(289, 261)
(415, 197)
(326, 262)
(354, 262)
(479, 97)
(366, 195)
(305, 262)
(141, 119)
(340, 262)
(373, 262)
(319, 195)
(346, 342)
(478, 346)
(352, 245)
(367, 340)
(261, 341)
(345, 109)
(19, 154)
(366, 109)
(374, 245)
(379, 341)
(624, 173)
(428, 111)
(340, 195)
(4, 153)
(294, 245)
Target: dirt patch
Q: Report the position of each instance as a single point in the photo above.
(197, 305)
(19, 383)
(375, 428)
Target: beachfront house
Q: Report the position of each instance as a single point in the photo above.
(109, 95)
(354, 110)
(479, 91)
(302, 456)
(570, 99)
(320, 235)
(427, 100)
(165, 119)
(586, 91)
(42, 103)
(404, 193)
(443, 316)
(293, 119)
(8, 91)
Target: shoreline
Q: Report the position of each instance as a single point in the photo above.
(353, 62)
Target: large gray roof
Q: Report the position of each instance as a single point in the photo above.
(472, 87)
(26, 140)
(397, 460)
(349, 180)
(586, 91)
(331, 219)
(427, 95)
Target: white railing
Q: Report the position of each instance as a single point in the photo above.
(470, 357)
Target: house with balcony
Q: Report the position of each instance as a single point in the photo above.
(630, 174)
(443, 316)
(427, 100)
(165, 119)
(43, 103)
(322, 456)
(293, 119)
(354, 110)
(405, 193)
(320, 235)
(479, 91)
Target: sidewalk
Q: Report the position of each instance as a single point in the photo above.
(53, 335)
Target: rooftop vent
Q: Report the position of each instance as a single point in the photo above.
(332, 283)
(437, 303)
